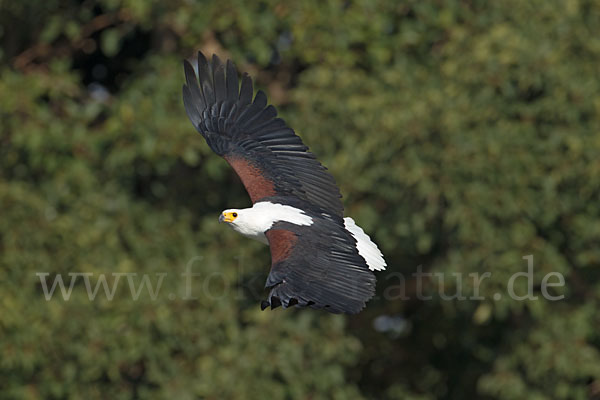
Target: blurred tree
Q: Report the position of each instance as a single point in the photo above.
(464, 134)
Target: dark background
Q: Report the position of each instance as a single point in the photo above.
(464, 135)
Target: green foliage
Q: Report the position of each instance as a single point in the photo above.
(464, 134)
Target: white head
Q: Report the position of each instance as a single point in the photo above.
(229, 216)
(246, 222)
(254, 222)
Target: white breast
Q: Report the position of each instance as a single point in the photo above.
(254, 222)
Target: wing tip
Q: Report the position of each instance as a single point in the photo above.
(279, 297)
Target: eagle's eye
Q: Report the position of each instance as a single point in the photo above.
(234, 215)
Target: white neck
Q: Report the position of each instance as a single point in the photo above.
(254, 222)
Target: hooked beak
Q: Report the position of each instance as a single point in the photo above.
(226, 217)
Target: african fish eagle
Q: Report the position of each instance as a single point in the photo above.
(319, 259)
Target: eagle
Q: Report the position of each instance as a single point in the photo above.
(319, 259)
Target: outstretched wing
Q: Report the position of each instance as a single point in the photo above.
(268, 156)
(317, 266)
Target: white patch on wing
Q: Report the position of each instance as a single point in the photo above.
(365, 246)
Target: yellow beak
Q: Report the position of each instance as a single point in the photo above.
(226, 217)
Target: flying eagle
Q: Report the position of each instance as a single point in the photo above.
(319, 259)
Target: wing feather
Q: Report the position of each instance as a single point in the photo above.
(197, 98)
(246, 90)
(219, 80)
(238, 126)
(232, 81)
(320, 268)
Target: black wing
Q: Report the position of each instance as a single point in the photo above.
(269, 157)
(317, 266)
